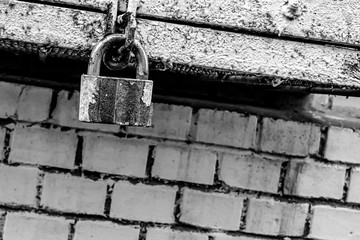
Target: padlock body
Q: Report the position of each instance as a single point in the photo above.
(123, 101)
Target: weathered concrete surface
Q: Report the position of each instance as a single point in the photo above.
(57, 27)
(247, 53)
(102, 5)
(51, 26)
(329, 20)
(96, 4)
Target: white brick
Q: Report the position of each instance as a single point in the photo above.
(288, 137)
(34, 104)
(311, 179)
(330, 223)
(43, 147)
(225, 128)
(319, 102)
(168, 234)
(143, 202)
(250, 172)
(269, 217)
(169, 121)
(115, 156)
(354, 190)
(66, 113)
(346, 106)
(221, 236)
(91, 230)
(183, 164)
(9, 96)
(213, 210)
(73, 194)
(343, 145)
(28, 226)
(18, 185)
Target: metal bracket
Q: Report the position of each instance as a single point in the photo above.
(121, 58)
(113, 9)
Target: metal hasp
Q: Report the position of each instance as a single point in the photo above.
(115, 100)
(119, 59)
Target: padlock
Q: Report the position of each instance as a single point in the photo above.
(123, 101)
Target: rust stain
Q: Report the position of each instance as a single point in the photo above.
(293, 9)
(352, 68)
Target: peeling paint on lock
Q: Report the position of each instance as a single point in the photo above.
(113, 100)
(89, 91)
(146, 98)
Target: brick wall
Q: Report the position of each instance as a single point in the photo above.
(197, 174)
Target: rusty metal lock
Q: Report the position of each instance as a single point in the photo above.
(123, 101)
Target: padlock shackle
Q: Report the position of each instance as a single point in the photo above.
(142, 69)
